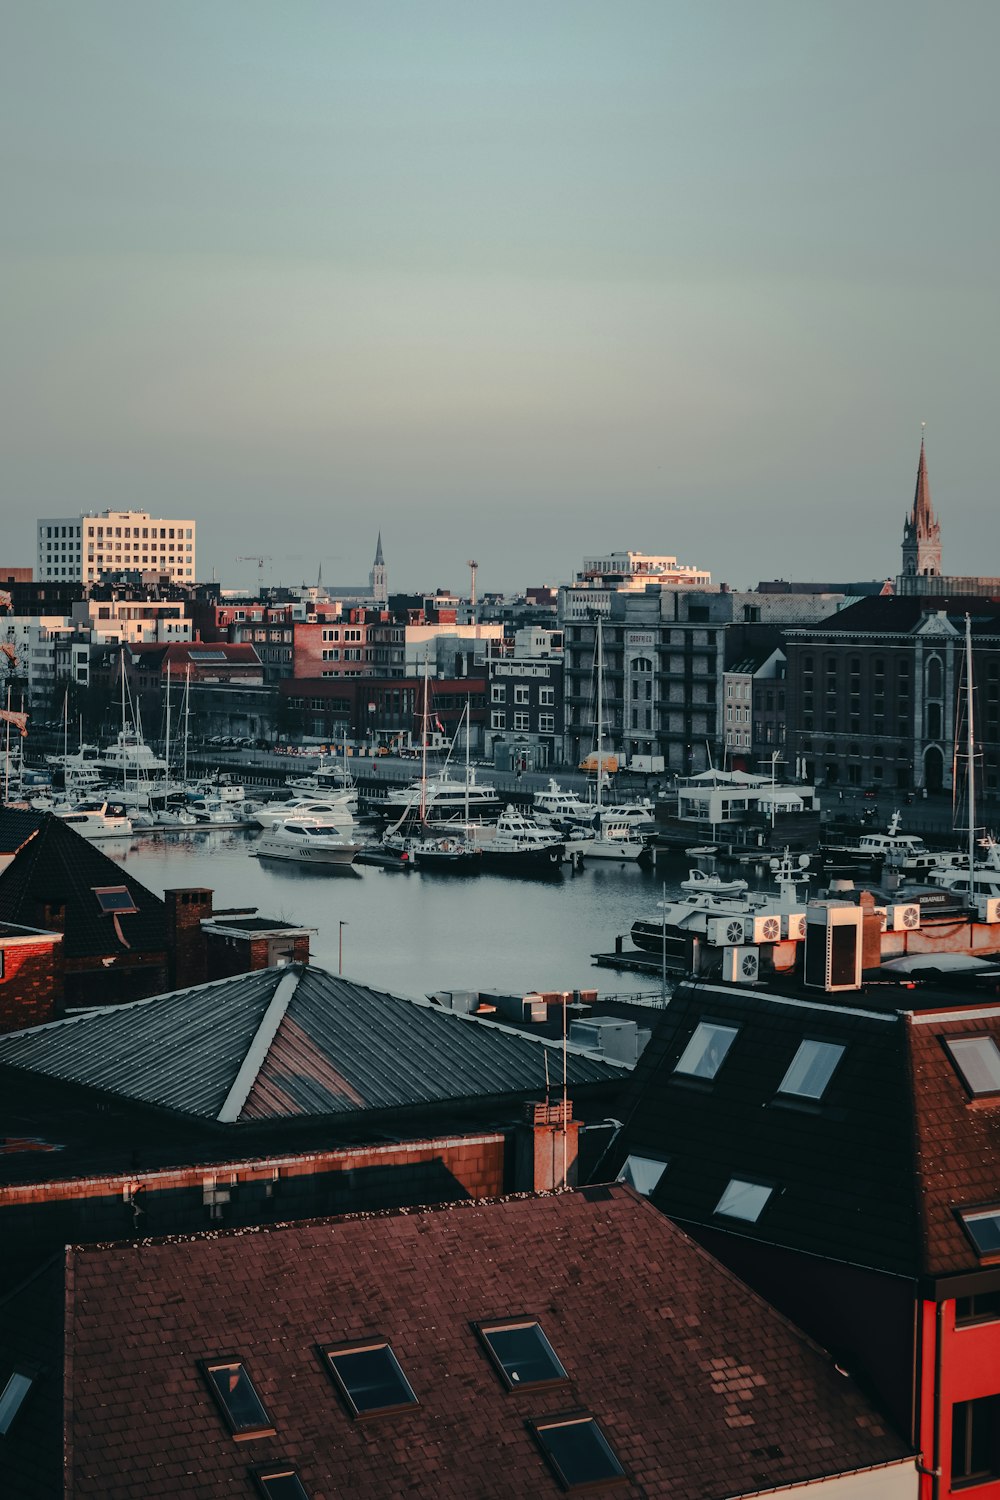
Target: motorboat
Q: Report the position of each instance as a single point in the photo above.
(517, 843)
(670, 929)
(985, 874)
(175, 814)
(327, 777)
(700, 880)
(890, 849)
(444, 798)
(331, 812)
(97, 820)
(306, 843)
(611, 841)
(130, 756)
(555, 805)
(215, 811)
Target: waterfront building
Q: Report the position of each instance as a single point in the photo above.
(387, 712)
(836, 1144)
(93, 543)
(875, 693)
(754, 722)
(526, 703)
(665, 655)
(523, 1347)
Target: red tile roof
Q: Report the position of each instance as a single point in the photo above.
(701, 1389)
(957, 1137)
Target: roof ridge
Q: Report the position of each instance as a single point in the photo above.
(257, 1052)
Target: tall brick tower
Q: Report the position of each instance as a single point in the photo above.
(922, 529)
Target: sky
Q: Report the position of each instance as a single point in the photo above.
(516, 282)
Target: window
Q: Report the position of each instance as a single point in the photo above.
(236, 1398)
(811, 1069)
(498, 720)
(280, 1483)
(521, 694)
(577, 1450)
(975, 1440)
(981, 1307)
(12, 1398)
(642, 1173)
(977, 1059)
(983, 1229)
(522, 722)
(743, 1200)
(498, 693)
(706, 1051)
(115, 899)
(369, 1379)
(546, 723)
(546, 697)
(521, 1353)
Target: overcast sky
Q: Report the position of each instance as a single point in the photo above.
(516, 281)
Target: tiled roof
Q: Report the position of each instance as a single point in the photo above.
(17, 826)
(59, 866)
(899, 614)
(700, 1388)
(842, 1170)
(873, 1173)
(288, 1043)
(957, 1137)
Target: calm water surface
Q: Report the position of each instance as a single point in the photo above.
(417, 931)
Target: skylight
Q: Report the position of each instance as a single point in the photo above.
(706, 1051)
(642, 1173)
(238, 1401)
(280, 1484)
(811, 1069)
(577, 1451)
(207, 655)
(743, 1200)
(11, 1398)
(977, 1058)
(369, 1378)
(983, 1229)
(522, 1354)
(115, 899)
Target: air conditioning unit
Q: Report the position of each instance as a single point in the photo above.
(723, 932)
(833, 946)
(793, 926)
(765, 928)
(740, 965)
(904, 918)
(988, 908)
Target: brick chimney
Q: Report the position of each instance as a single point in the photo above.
(547, 1148)
(186, 910)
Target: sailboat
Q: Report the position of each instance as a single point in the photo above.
(613, 836)
(412, 838)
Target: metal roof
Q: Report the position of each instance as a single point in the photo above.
(293, 1042)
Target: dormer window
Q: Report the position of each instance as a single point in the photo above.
(977, 1059)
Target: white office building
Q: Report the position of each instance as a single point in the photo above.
(85, 546)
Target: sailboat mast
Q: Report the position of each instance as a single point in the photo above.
(166, 745)
(187, 717)
(423, 746)
(600, 716)
(970, 747)
(467, 704)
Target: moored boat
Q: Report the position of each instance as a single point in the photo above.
(306, 843)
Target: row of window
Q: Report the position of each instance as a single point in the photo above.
(522, 694)
(522, 722)
(371, 1383)
(807, 1075)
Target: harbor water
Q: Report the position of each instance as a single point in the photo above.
(418, 931)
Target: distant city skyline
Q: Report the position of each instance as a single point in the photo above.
(514, 284)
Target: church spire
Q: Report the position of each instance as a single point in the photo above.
(379, 559)
(379, 577)
(921, 529)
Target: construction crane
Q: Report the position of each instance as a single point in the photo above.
(260, 561)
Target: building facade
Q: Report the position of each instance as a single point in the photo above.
(92, 543)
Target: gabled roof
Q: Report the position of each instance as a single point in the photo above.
(842, 1170)
(288, 1043)
(701, 1390)
(901, 614)
(56, 865)
(875, 1172)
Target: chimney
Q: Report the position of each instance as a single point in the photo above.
(547, 1147)
(186, 910)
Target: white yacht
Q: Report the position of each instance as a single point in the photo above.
(668, 931)
(329, 776)
(517, 843)
(555, 805)
(306, 843)
(130, 756)
(97, 820)
(329, 811)
(612, 841)
(444, 798)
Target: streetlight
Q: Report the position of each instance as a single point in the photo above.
(340, 947)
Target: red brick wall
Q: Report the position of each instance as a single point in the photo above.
(185, 912)
(31, 990)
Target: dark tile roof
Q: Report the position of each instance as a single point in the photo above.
(700, 1388)
(289, 1043)
(58, 865)
(842, 1170)
(17, 826)
(899, 614)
